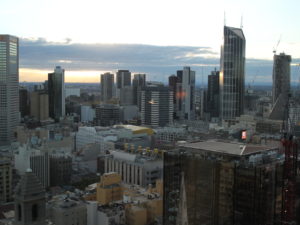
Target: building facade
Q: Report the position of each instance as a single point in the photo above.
(24, 101)
(56, 92)
(281, 86)
(123, 79)
(185, 94)
(107, 86)
(156, 106)
(127, 96)
(60, 169)
(107, 115)
(39, 105)
(213, 94)
(234, 184)
(133, 168)
(5, 181)
(138, 82)
(9, 88)
(232, 75)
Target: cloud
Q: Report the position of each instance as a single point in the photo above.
(157, 62)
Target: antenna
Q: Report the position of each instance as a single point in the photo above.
(242, 22)
(224, 18)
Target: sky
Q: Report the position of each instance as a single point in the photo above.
(156, 37)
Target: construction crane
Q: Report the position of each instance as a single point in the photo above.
(275, 47)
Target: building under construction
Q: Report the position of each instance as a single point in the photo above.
(215, 182)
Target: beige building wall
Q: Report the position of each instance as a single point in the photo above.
(136, 215)
(44, 106)
(35, 105)
(109, 189)
(39, 105)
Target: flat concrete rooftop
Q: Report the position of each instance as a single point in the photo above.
(230, 148)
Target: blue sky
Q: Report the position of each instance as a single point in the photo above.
(193, 23)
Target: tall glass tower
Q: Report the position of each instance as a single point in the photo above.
(56, 91)
(9, 87)
(232, 75)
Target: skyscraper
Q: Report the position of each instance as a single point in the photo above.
(107, 86)
(9, 87)
(173, 86)
(24, 101)
(123, 80)
(156, 106)
(138, 82)
(281, 85)
(185, 94)
(232, 75)
(213, 93)
(56, 92)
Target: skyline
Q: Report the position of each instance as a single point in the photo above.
(85, 62)
(164, 25)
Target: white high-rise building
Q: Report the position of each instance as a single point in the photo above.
(185, 94)
(9, 87)
(156, 106)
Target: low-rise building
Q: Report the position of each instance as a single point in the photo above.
(109, 189)
(68, 212)
(143, 167)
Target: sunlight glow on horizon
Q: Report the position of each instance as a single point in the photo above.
(71, 76)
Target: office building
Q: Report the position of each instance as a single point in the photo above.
(232, 74)
(185, 94)
(107, 87)
(127, 96)
(87, 113)
(5, 181)
(235, 183)
(56, 92)
(9, 88)
(30, 201)
(156, 106)
(281, 86)
(24, 103)
(107, 114)
(138, 82)
(123, 79)
(39, 105)
(134, 168)
(213, 94)
(60, 169)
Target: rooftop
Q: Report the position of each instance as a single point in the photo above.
(232, 148)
